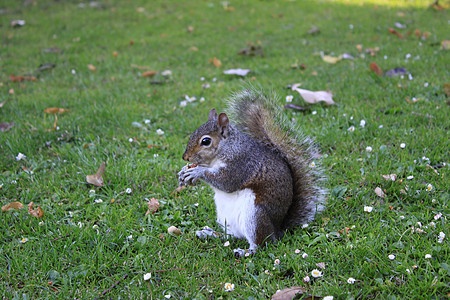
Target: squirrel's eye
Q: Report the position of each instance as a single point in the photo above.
(206, 141)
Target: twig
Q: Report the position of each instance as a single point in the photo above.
(61, 237)
(114, 285)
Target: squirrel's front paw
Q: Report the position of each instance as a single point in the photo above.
(190, 176)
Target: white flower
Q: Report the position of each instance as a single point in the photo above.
(433, 201)
(183, 103)
(351, 128)
(408, 271)
(351, 280)
(159, 131)
(410, 177)
(267, 272)
(426, 84)
(427, 256)
(305, 225)
(166, 73)
(316, 273)
(147, 121)
(402, 217)
(289, 98)
(277, 262)
(155, 155)
(247, 254)
(147, 276)
(304, 255)
(74, 72)
(402, 145)
(23, 240)
(20, 156)
(381, 126)
(229, 287)
(328, 298)
(130, 237)
(79, 224)
(128, 191)
(92, 192)
(297, 251)
(441, 235)
(362, 123)
(314, 112)
(167, 296)
(306, 278)
(369, 149)
(227, 243)
(202, 99)
(432, 224)
(312, 164)
(41, 223)
(368, 208)
(391, 256)
(13, 181)
(429, 187)
(98, 201)
(438, 216)
(130, 140)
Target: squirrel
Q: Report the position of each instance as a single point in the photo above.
(263, 171)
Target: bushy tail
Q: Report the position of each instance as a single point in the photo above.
(261, 117)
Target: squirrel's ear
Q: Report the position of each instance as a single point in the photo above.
(212, 114)
(223, 123)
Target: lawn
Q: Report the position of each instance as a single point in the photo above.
(126, 74)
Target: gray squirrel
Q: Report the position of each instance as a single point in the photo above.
(263, 171)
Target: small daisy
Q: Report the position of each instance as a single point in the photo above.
(267, 272)
(427, 256)
(351, 128)
(155, 155)
(316, 273)
(147, 121)
(438, 216)
(314, 112)
(128, 191)
(98, 201)
(41, 223)
(297, 251)
(441, 237)
(426, 84)
(159, 131)
(79, 224)
(13, 181)
(289, 98)
(402, 217)
(429, 187)
(306, 278)
(95, 226)
(433, 201)
(369, 149)
(202, 99)
(305, 225)
(432, 224)
(20, 156)
(92, 192)
(402, 145)
(351, 280)
(381, 126)
(312, 164)
(167, 296)
(408, 271)
(277, 262)
(410, 177)
(183, 103)
(391, 256)
(304, 255)
(23, 240)
(328, 298)
(229, 287)
(226, 244)
(368, 208)
(130, 140)
(247, 254)
(147, 276)
(74, 72)
(362, 123)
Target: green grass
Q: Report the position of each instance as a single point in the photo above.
(116, 240)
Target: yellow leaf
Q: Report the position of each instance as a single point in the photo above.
(92, 67)
(12, 205)
(331, 59)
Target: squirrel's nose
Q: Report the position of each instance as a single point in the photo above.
(186, 156)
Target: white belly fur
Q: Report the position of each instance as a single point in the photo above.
(237, 211)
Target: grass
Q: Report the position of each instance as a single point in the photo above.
(81, 248)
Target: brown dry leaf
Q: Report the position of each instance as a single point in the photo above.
(216, 62)
(292, 293)
(149, 73)
(38, 212)
(393, 31)
(446, 88)
(359, 47)
(344, 230)
(97, 178)
(92, 67)
(331, 59)
(380, 192)
(21, 78)
(314, 97)
(193, 49)
(54, 110)
(190, 29)
(153, 206)
(6, 126)
(374, 67)
(13, 205)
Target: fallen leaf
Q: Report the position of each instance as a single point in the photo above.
(55, 110)
(291, 293)
(149, 73)
(239, 72)
(344, 230)
(314, 30)
(193, 49)
(92, 67)
(393, 31)
(13, 205)
(6, 126)
(97, 178)
(190, 29)
(446, 88)
(374, 67)
(392, 177)
(114, 53)
(359, 47)
(153, 206)
(38, 212)
(174, 230)
(21, 78)
(380, 192)
(54, 124)
(314, 97)
(417, 33)
(216, 62)
(396, 72)
(293, 106)
(372, 51)
(331, 59)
